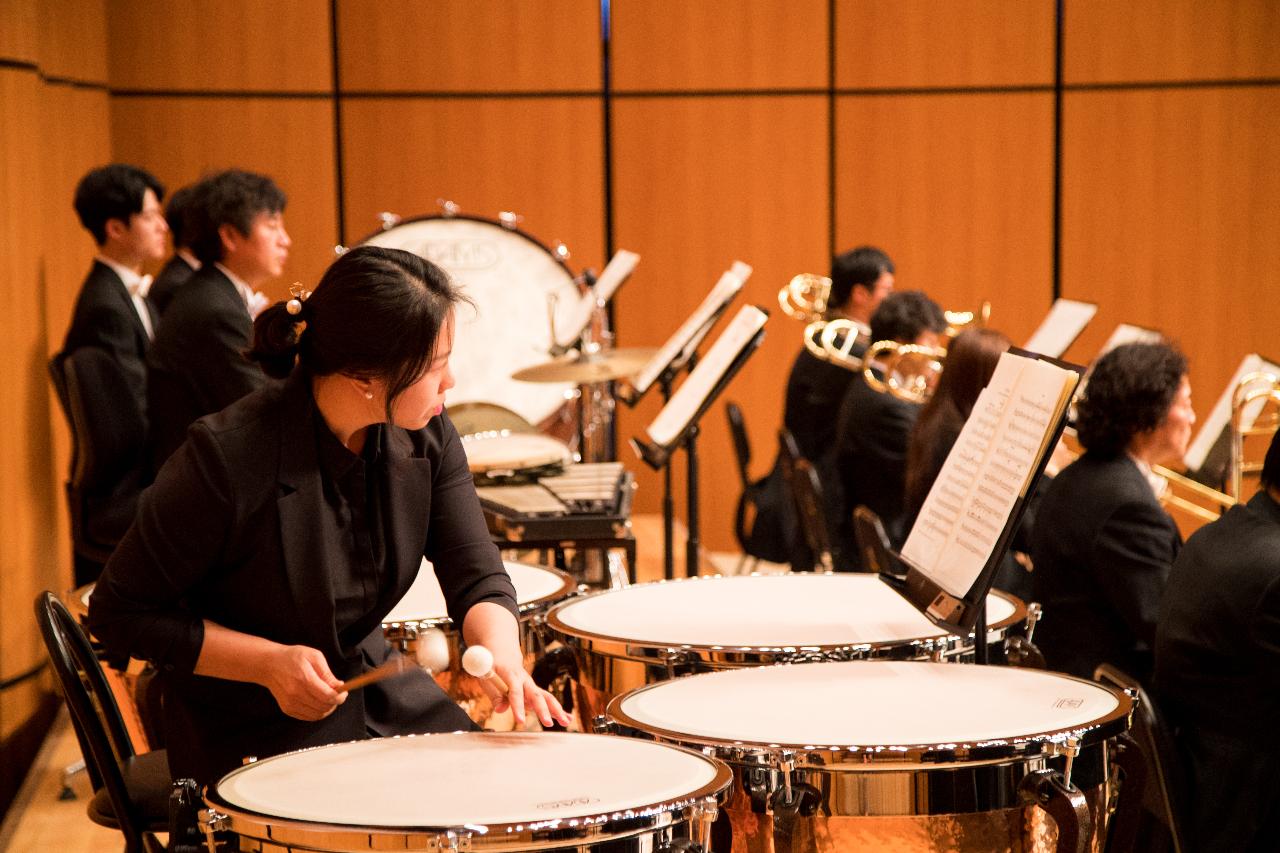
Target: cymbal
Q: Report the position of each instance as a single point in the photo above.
(579, 370)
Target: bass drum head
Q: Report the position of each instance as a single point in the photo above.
(497, 789)
(879, 708)
(511, 278)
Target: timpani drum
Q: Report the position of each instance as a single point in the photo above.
(649, 632)
(472, 791)
(513, 281)
(423, 608)
(893, 755)
(503, 455)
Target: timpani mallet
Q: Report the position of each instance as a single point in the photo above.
(431, 654)
(477, 661)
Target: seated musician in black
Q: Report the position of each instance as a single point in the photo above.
(1102, 544)
(178, 270)
(867, 464)
(280, 534)
(860, 280)
(1218, 671)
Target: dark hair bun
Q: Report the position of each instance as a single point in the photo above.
(275, 341)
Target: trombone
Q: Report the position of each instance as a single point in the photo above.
(910, 371)
(1253, 392)
(804, 298)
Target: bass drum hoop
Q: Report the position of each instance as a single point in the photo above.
(563, 835)
(717, 657)
(559, 413)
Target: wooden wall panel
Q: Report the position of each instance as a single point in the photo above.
(290, 139)
(756, 44)
(701, 182)
(73, 40)
(539, 157)
(1107, 42)
(75, 127)
(1171, 207)
(469, 45)
(19, 30)
(221, 45)
(958, 189)
(923, 43)
(26, 489)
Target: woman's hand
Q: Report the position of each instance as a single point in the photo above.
(297, 676)
(492, 626)
(523, 694)
(301, 682)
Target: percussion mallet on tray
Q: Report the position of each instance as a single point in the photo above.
(432, 655)
(477, 661)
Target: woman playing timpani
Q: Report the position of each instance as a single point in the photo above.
(263, 560)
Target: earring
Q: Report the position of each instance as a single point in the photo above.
(368, 395)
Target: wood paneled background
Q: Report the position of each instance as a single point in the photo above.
(1124, 155)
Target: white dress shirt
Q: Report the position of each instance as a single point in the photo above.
(138, 286)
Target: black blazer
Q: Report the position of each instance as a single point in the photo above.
(226, 533)
(197, 364)
(815, 389)
(868, 465)
(1102, 548)
(175, 273)
(1218, 673)
(105, 317)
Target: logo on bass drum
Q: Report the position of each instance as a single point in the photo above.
(568, 802)
(461, 254)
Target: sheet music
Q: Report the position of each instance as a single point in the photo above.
(617, 271)
(1059, 329)
(1219, 417)
(743, 272)
(987, 470)
(1127, 334)
(675, 416)
(726, 288)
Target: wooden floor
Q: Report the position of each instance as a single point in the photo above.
(40, 821)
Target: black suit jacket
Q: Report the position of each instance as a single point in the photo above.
(868, 465)
(1218, 674)
(197, 364)
(175, 273)
(1102, 548)
(815, 389)
(226, 533)
(105, 317)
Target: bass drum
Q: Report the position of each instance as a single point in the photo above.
(513, 281)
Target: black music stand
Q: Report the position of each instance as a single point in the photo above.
(962, 615)
(678, 355)
(658, 456)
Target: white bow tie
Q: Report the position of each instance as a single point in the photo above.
(139, 287)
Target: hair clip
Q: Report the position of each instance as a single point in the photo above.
(300, 294)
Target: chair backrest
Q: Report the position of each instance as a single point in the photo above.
(1164, 792)
(109, 429)
(813, 524)
(95, 715)
(741, 446)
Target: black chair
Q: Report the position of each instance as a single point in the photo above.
(108, 461)
(131, 791)
(806, 493)
(1155, 819)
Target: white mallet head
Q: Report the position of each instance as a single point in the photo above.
(477, 661)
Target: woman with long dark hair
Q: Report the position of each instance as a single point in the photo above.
(263, 560)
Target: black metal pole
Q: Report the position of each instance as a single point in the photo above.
(691, 465)
(980, 651)
(668, 503)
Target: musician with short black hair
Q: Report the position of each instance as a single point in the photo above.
(1102, 544)
(183, 264)
(867, 465)
(860, 280)
(1218, 671)
(197, 365)
(119, 205)
(279, 536)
